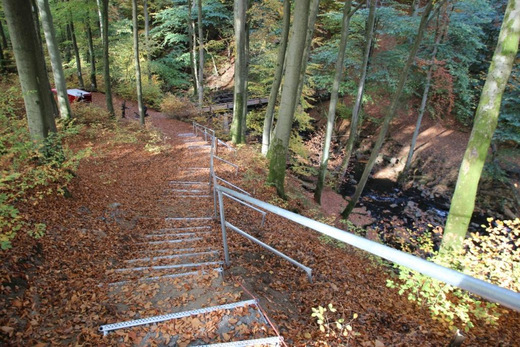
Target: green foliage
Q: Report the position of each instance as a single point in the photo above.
(152, 94)
(30, 172)
(331, 323)
(178, 107)
(493, 255)
(255, 122)
(509, 121)
(170, 31)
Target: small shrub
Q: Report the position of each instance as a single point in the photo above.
(30, 172)
(492, 256)
(332, 323)
(152, 94)
(178, 107)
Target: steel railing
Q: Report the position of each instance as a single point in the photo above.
(491, 292)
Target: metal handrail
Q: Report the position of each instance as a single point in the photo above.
(494, 293)
(227, 162)
(250, 206)
(230, 184)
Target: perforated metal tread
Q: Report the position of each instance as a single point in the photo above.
(269, 341)
(156, 319)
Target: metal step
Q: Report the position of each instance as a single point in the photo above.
(156, 319)
(166, 267)
(173, 256)
(155, 278)
(268, 341)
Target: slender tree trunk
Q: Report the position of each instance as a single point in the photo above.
(92, 54)
(54, 53)
(3, 45)
(147, 40)
(313, 13)
(200, 87)
(486, 118)
(76, 54)
(354, 122)
(137, 63)
(33, 77)
(2, 59)
(275, 87)
(279, 146)
(36, 23)
(238, 134)
(3, 37)
(338, 77)
(103, 21)
(391, 112)
(37, 26)
(67, 52)
(424, 101)
(193, 50)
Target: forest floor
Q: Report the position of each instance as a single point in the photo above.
(50, 293)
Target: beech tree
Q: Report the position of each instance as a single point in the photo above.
(391, 112)
(486, 118)
(200, 87)
(275, 87)
(91, 54)
(30, 63)
(278, 150)
(54, 54)
(147, 40)
(354, 122)
(139, 86)
(334, 94)
(79, 72)
(103, 20)
(313, 13)
(443, 28)
(193, 49)
(238, 125)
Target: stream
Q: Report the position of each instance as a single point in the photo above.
(402, 215)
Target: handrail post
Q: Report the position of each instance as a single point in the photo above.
(223, 225)
(212, 179)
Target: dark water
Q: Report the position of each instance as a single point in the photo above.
(395, 210)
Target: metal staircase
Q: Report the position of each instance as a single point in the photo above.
(170, 289)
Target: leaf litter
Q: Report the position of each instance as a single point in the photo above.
(54, 289)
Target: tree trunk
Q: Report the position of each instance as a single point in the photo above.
(3, 37)
(137, 63)
(279, 146)
(391, 113)
(193, 51)
(92, 54)
(200, 87)
(33, 77)
(354, 122)
(338, 77)
(313, 13)
(486, 118)
(238, 134)
(76, 54)
(3, 45)
(36, 23)
(147, 40)
(103, 21)
(54, 54)
(424, 101)
(2, 59)
(275, 87)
